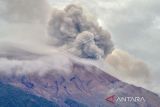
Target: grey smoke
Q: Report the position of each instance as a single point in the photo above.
(82, 36)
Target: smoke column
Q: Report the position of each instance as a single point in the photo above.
(71, 28)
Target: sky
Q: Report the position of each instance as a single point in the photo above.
(133, 24)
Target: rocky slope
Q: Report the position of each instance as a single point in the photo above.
(13, 97)
(84, 86)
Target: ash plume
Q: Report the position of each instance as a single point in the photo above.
(129, 68)
(80, 35)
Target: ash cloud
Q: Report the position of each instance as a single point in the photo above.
(79, 34)
(128, 68)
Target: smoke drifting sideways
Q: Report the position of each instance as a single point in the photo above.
(128, 68)
(39, 66)
(73, 30)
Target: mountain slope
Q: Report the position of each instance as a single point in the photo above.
(85, 86)
(14, 97)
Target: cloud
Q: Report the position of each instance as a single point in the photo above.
(39, 65)
(80, 34)
(129, 68)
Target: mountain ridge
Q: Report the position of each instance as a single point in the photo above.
(86, 84)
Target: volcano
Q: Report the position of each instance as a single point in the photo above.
(84, 86)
